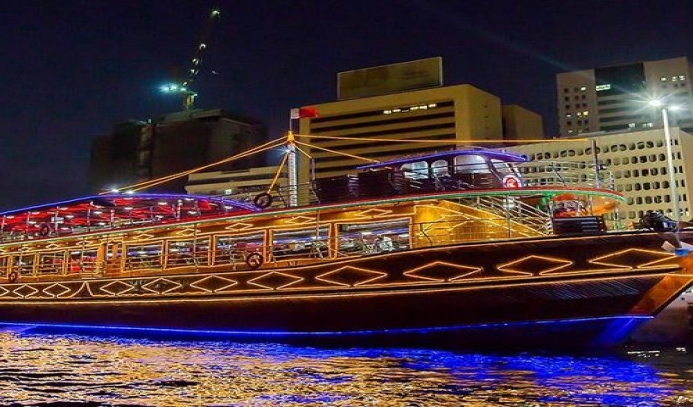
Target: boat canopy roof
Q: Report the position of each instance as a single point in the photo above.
(493, 154)
(115, 210)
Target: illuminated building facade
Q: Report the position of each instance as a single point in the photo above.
(638, 162)
(615, 98)
(459, 112)
(139, 151)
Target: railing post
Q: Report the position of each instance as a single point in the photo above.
(595, 157)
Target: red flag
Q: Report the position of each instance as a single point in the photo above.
(304, 112)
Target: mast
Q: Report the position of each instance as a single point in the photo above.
(293, 180)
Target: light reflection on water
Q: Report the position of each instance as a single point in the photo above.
(42, 370)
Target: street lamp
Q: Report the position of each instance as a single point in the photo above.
(670, 155)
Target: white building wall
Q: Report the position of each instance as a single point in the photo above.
(256, 179)
(638, 163)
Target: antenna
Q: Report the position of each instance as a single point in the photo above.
(183, 87)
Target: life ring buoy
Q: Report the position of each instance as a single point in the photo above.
(263, 200)
(44, 230)
(12, 277)
(511, 181)
(254, 260)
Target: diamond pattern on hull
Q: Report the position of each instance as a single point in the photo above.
(117, 288)
(25, 291)
(635, 259)
(442, 271)
(162, 286)
(275, 281)
(214, 284)
(351, 276)
(535, 265)
(57, 290)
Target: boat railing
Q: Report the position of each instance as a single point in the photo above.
(346, 187)
(514, 210)
(389, 183)
(479, 219)
(564, 173)
(280, 195)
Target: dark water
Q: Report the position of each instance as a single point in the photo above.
(80, 370)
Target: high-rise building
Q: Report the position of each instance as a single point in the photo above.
(139, 151)
(520, 123)
(380, 110)
(615, 98)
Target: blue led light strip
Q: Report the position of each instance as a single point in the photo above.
(278, 334)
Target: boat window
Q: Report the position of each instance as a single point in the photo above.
(415, 170)
(301, 243)
(350, 243)
(470, 164)
(236, 248)
(504, 167)
(365, 238)
(51, 263)
(143, 256)
(24, 264)
(4, 262)
(440, 168)
(83, 261)
(187, 253)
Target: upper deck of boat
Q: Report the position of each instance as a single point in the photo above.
(470, 171)
(112, 211)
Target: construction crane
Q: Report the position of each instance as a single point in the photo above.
(183, 87)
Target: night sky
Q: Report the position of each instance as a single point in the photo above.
(73, 69)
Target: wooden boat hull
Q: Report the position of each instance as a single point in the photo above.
(582, 290)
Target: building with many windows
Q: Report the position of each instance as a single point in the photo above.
(385, 126)
(615, 98)
(381, 112)
(139, 151)
(638, 163)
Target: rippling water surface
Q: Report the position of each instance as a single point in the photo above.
(79, 370)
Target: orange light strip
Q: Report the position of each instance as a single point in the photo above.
(381, 291)
(302, 151)
(465, 271)
(174, 286)
(277, 173)
(230, 284)
(337, 152)
(292, 280)
(663, 256)
(441, 141)
(377, 275)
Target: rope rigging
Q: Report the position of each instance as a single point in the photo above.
(293, 144)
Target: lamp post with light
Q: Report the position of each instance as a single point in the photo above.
(670, 155)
